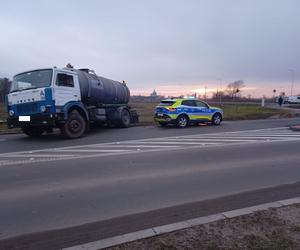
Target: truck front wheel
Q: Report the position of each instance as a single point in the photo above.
(33, 131)
(75, 126)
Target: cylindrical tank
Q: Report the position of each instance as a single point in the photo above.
(97, 90)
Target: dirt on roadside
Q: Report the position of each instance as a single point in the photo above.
(276, 228)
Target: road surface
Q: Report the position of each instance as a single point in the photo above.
(123, 180)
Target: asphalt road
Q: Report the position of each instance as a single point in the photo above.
(114, 174)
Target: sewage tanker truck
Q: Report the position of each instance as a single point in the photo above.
(69, 99)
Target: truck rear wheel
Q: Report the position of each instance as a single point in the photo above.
(33, 131)
(75, 126)
(124, 118)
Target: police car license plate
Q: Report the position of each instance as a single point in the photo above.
(24, 118)
(159, 114)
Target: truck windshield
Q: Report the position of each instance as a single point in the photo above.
(32, 80)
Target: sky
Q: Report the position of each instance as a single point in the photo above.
(173, 46)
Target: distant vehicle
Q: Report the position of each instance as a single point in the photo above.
(293, 100)
(182, 112)
(69, 99)
(285, 99)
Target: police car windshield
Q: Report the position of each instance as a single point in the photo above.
(32, 80)
(166, 103)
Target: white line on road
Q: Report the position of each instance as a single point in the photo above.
(93, 150)
(18, 155)
(135, 146)
(152, 145)
(177, 142)
(184, 140)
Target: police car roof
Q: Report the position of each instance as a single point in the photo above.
(179, 99)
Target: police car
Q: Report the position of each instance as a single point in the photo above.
(183, 112)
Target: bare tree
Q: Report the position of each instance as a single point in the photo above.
(234, 88)
(4, 88)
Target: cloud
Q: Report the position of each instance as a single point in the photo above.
(148, 43)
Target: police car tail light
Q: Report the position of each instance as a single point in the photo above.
(171, 109)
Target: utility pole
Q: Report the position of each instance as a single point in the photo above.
(293, 79)
(221, 92)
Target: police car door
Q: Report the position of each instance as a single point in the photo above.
(189, 108)
(203, 111)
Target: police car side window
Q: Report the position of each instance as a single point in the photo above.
(201, 104)
(188, 103)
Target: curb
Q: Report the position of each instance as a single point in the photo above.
(156, 231)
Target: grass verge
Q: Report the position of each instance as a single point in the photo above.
(273, 229)
(232, 112)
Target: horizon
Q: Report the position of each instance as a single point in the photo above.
(173, 47)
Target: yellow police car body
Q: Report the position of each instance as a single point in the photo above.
(182, 112)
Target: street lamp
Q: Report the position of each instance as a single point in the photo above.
(293, 79)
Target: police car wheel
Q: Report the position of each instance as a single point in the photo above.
(217, 119)
(182, 121)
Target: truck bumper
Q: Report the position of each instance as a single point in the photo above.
(44, 120)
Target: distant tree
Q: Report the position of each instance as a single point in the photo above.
(4, 88)
(219, 94)
(234, 88)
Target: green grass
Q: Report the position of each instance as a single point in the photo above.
(231, 111)
(252, 111)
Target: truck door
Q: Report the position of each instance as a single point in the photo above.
(66, 88)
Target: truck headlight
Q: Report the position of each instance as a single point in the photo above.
(11, 113)
(43, 109)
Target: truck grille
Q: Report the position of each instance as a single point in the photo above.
(27, 108)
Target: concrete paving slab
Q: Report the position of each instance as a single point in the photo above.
(290, 201)
(237, 212)
(205, 219)
(171, 227)
(265, 206)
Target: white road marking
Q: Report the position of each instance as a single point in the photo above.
(136, 146)
(151, 145)
(94, 150)
(177, 142)
(184, 140)
(17, 155)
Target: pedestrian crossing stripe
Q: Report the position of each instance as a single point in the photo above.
(150, 145)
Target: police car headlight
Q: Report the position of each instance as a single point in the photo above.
(43, 109)
(11, 113)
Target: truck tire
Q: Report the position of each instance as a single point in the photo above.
(75, 126)
(33, 131)
(124, 119)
